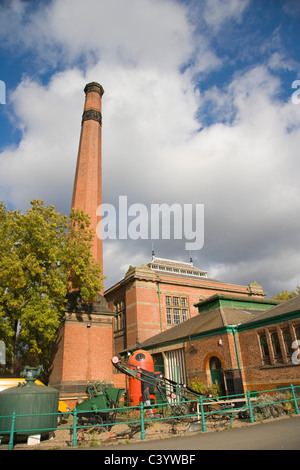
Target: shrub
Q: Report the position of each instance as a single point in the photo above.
(205, 390)
(270, 406)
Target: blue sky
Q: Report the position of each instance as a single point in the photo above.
(197, 109)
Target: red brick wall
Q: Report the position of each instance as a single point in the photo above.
(142, 302)
(199, 352)
(255, 373)
(147, 305)
(131, 315)
(57, 353)
(85, 353)
(261, 376)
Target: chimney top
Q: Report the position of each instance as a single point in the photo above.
(94, 86)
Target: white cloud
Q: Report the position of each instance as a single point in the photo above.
(133, 32)
(219, 12)
(147, 32)
(244, 166)
(42, 165)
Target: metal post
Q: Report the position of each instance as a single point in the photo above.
(295, 399)
(250, 407)
(202, 414)
(12, 431)
(176, 372)
(142, 421)
(74, 440)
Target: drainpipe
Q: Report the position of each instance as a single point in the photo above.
(159, 292)
(234, 331)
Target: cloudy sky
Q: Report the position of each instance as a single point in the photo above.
(199, 108)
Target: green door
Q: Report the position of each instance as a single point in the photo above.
(159, 367)
(217, 374)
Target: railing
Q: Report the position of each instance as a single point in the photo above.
(201, 409)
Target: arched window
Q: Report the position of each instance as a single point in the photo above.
(276, 345)
(264, 347)
(287, 342)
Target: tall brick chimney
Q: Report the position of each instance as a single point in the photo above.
(84, 346)
(87, 190)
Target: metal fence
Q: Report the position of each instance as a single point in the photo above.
(202, 410)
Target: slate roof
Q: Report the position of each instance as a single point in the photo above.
(215, 319)
(219, 318)
(285, 307)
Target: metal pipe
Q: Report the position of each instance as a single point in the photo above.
(234, 331)
(159, 292)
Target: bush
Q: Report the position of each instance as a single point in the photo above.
(205, 390)
(267, 408)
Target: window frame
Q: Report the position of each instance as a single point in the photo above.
(177, 309)
(287, 339)
(120, 317)
(276, 345)
(264, 347)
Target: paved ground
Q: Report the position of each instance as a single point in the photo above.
(283, 434)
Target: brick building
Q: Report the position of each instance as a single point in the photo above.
(161, 294)
(237, 343)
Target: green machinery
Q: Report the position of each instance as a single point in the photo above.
(35, 406)
(99, 407)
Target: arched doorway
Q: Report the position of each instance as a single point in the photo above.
(217, 373)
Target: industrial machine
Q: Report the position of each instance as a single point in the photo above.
(35, 406)
(140, 359)
(99, 407)
(140, 371)
(63, 408)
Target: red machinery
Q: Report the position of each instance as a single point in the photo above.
(140, 360)
(140, 372)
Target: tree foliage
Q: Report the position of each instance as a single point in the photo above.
(286, 295)
(43, 255)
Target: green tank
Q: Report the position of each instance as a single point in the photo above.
(29, 399)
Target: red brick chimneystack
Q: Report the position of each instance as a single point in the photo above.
(87, 191)
(84, 346)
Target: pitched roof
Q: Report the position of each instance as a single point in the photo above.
(219, 318)
(211, 320)
(286, 307)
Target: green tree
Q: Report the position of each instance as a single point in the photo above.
(43, 256)
(286, 295)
